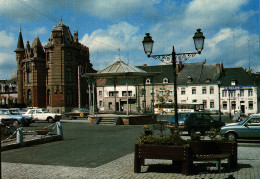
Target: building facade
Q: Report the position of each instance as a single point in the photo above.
(49, 76)
(210, 85)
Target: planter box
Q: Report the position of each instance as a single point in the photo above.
(178, 154)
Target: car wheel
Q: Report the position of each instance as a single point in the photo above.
(50, 120)
(231, 136)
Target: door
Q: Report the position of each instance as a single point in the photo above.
(242, 107)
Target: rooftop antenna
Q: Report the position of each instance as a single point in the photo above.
(248, 46)
(234, 45)
(119, 55)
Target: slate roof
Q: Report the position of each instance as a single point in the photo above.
(20, 44)
(198, 73)
(239, 75)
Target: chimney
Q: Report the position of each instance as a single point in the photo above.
(249, 71)
(179, 67)
(219, 67)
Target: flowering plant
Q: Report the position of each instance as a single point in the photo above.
(159, 136)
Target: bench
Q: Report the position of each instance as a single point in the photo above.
(214, 151)
(179, 155)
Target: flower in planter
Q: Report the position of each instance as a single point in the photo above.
(159, 136)
(216, 135)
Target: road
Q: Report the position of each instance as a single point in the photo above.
(84, 145)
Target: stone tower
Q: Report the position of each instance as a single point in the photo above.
(20, 54)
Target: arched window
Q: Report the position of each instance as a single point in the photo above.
(29, 94)
(165, 80)
(48, 97)
(148, 81)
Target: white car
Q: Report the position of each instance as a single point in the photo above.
(42, 115)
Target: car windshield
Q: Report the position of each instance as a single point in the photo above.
(243, 121)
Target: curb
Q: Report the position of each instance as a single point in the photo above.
(28, 143)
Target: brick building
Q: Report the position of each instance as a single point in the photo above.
(48, 76)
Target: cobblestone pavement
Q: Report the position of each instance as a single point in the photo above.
(248, 167)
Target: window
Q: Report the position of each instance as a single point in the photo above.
(232, 93)
(170, 91)
(189, 79)
(233, 105)
(224, 106)
(124, 93)
(233, 82)
(182, 91)
(241, 92)
(224, 93)
(193, 91)
(160, 93)
(29, 94)
(68, 56)
(29, 76)
(151, 91)
(68, 75)
(143, 91)
(250, 92)
(112, 93)
(69, 97)
(204, 103)
(101, 104)
(165, 80)
(100, 93)
(110, 105)
(211, 104)
(250, 105)
(48, 97)
(148, 81)
(211, 91)
(194, 101)
(204, 90)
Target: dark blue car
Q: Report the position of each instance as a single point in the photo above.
(181, 118)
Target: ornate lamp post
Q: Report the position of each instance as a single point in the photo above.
(219, 104)
(148, 48)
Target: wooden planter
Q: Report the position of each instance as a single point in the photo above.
(178, 154)
(208, 147)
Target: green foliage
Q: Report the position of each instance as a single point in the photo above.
(158, 136)
(195, 137)
(216, 135)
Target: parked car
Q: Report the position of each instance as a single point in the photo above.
(39, 114)
(23, 120)
(7, 121)
(193, 122)
(77, 113)
(247, 128)
(181, 119)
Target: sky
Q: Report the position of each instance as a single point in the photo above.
(114, 29)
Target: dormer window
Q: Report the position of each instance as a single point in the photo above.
(233, 82)
(189, 79)
(208, 80)
(148, 81)
(165, 80)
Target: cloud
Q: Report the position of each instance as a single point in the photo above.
(121, 35)
(40, 30)
(6, 58)
(215, 13)
(7, 39)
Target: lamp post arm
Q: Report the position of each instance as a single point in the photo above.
(168, 57)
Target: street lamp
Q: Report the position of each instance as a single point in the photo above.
(219, 107)
(148, 49)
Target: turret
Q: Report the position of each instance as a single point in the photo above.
(20, 52)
